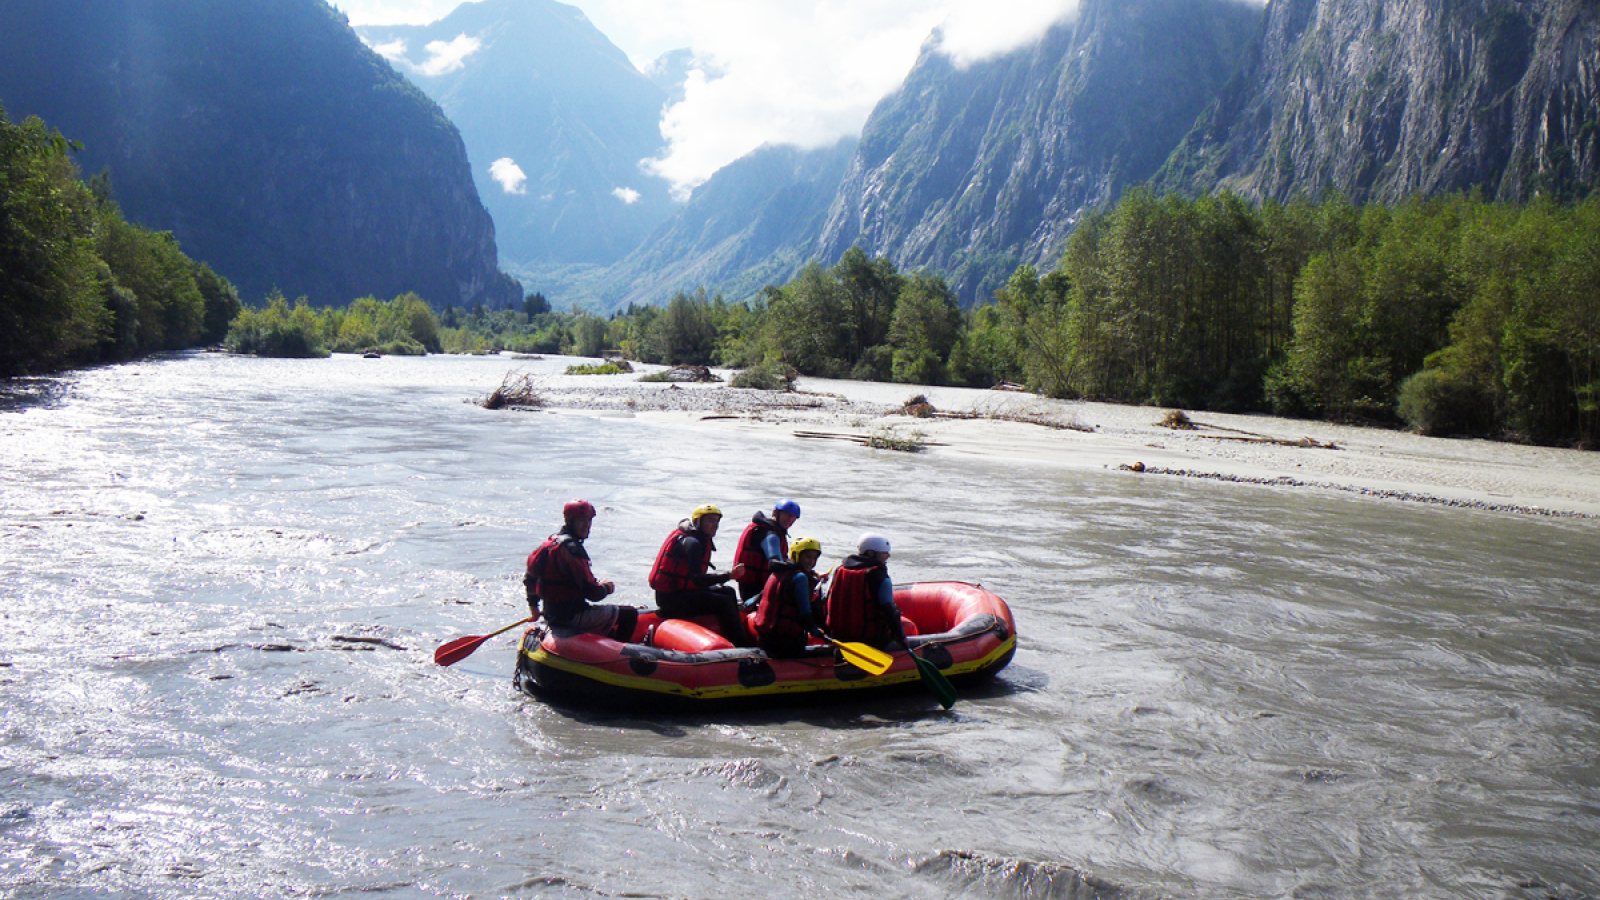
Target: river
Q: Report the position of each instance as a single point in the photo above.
(224, 579)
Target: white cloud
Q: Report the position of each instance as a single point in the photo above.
(973, 30)
(805, 72)
(508, 175)
(628, 196)
(394, 51)
(785, 72)
(448, 56)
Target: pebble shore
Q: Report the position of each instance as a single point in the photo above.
(1249, 450)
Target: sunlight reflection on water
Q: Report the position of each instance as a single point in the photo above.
(225, 578)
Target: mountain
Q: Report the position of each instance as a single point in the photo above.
(973, 171)
(754, 223)
(539, 92)
(272, 143)
(1382, 99)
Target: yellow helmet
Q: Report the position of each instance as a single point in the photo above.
(704, 510)
(801, 546)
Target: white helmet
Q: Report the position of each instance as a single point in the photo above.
(873, 542)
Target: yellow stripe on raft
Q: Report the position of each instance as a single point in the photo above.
(659, 686)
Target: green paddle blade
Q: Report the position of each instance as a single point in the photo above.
(934, 680)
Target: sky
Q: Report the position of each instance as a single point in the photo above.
(803, 72)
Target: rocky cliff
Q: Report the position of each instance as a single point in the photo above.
(973, 171)
(263, 134)
(1381, 99)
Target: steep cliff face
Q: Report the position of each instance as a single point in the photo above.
(1381, 99)
(973, 171)
(534, 83)
(266, 137)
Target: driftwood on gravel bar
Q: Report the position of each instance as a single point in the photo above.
(689, 373)
(516, 391)
(1179, 421)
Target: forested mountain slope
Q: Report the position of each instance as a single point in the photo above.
(263, 134)
(754, 223)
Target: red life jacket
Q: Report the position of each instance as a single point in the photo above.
(778, 616)
(756, 565)
(673, 570)
(854, 613)
(548, 578)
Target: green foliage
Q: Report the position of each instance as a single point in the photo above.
(606, 368)
(587, 336)
(277, 330)
(924, 330)
(78, 283)
(404, 326)
(168, 305)
(52, 286)
(764, 377)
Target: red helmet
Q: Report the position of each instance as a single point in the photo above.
(577, 509)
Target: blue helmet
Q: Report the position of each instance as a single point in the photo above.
(788, 506)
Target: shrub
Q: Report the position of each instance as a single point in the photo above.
(1435, 403)
(765, 377)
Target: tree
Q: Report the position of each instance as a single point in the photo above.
(277, 330)
(805, 325)
(925, 328)
(687, 331)
(52, 287)
(170, 309)
(868, 288)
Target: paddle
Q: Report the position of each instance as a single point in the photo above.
(934, 680)
(452, 652)
(869, 659)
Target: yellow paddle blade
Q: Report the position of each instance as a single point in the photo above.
(868, 659)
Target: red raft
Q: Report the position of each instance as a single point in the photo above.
(963, 629)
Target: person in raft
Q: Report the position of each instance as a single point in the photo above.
(685, 588)
(765, 541)
(785, 615)
(861, 600)
(559, 579)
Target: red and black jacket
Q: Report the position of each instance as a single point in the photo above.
(682, 561)
(779, 618)
(853, 610)
(756, 564)
(566, 583)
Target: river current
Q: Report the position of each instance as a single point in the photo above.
(224, 578)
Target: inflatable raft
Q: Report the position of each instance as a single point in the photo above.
(963, 629)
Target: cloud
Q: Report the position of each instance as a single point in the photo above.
(972, 32)
(771, 71)
(508, 175)
(394, 51)
(628, 196)
(808, 74)
(448, 56)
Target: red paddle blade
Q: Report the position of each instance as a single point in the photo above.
(455, 651)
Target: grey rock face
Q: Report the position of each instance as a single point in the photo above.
(973, 171)
(1381, 99)
(266, 137)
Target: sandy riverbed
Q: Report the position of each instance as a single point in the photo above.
(1250, 450)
